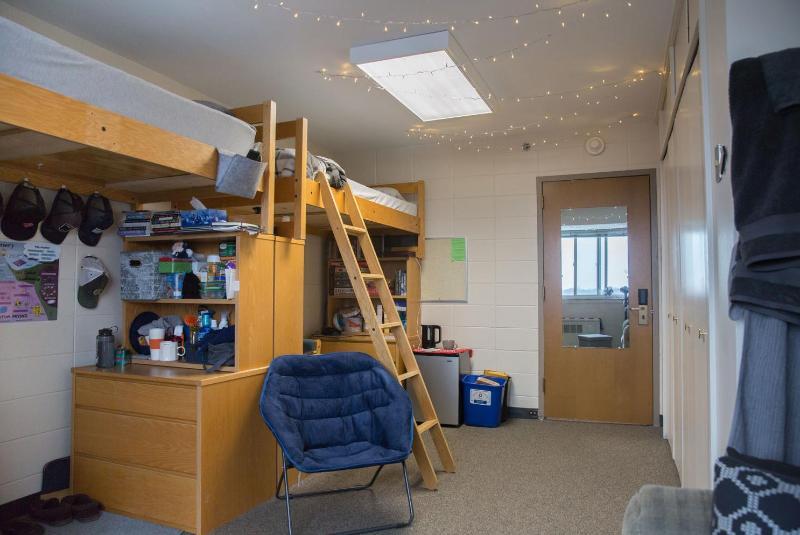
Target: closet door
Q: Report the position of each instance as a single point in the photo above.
(672, 328)
(693, 319)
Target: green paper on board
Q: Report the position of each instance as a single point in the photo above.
(458, 250)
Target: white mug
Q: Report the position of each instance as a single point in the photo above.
(169, 351)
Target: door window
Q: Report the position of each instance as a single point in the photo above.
(594, 277)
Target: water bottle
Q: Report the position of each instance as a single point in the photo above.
(106, 347)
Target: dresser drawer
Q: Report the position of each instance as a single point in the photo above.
(156, 496)
(139, 398)
(151, 442)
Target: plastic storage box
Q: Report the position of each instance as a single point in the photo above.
(139, 276)
(482, 403)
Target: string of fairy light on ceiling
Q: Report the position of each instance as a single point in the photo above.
(363, 17)
(568, 14)
(587, 91)
(467, 137)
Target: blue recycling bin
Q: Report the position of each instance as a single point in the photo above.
(482, 403)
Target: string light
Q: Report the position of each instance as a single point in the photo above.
(460, 138)
(514, 18)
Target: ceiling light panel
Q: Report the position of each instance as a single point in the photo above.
(423, 73)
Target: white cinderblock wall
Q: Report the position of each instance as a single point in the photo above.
(490, 198)
(36, 358)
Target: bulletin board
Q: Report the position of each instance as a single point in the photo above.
(444, 270)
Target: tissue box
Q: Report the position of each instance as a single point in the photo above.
(201, 219)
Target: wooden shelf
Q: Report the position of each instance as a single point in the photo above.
(372, 297)
(136, 359)
(184, 301)
(380, 258)
(186, 236)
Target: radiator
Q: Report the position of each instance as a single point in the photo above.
(572, 327)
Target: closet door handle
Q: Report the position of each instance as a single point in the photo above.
(701, 334)
(720, 161)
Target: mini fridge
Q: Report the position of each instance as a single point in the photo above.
(442, 373)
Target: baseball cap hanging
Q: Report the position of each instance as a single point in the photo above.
(24, 212)
(97, 217)
(65, 215)
(92, 280)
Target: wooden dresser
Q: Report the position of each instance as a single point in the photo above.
(174, 446)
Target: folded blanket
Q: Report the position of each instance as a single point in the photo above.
(284, 167)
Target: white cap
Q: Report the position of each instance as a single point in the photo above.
(212, 258)
(91, 268)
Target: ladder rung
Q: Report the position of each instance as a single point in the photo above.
(407, 375)
(391, 325)
(372, 276)
(350, 229)
(426, 425)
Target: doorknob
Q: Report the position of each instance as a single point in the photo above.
(643, 315)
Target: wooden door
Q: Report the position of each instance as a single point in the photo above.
(612, 383)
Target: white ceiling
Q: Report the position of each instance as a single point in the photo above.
(240, 55)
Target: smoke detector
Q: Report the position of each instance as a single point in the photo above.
(595, 145)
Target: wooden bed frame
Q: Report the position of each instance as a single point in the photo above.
(122, 158)
(298, 198)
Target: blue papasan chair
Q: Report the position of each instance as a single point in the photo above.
(337, 412)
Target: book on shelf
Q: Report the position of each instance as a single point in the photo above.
(339, 280)
(135, 223)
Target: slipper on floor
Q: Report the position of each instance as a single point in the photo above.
(52, 512)
(84, 508)
(21, 527)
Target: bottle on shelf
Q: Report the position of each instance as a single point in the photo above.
(214, 286)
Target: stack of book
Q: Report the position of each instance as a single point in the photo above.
(339, 280)
(167, 222)
(135, 223)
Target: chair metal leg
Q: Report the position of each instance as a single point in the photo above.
(332, 491)
(390, 526)
(288, 496)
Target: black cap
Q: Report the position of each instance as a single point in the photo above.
(65, 215)
(24, 212)
(97, 216)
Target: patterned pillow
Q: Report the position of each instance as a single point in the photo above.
(755, 497)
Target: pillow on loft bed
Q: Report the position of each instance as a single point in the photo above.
(392, 192)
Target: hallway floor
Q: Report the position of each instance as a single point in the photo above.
(526, 476)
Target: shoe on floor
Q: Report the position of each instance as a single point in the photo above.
(52, 512)
(84, 508)
(21, 527)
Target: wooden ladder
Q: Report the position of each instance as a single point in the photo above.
(411, 375)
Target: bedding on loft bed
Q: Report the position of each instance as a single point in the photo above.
(36, 59)
(389, 197)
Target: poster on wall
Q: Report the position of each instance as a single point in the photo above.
(28, 281)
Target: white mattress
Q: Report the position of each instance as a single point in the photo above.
(29, 56)
(384, 199)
